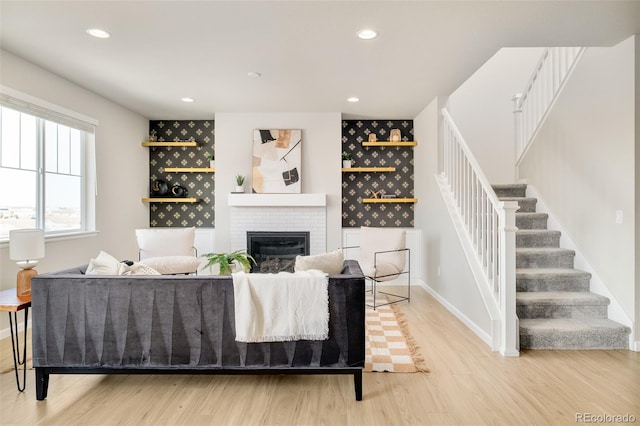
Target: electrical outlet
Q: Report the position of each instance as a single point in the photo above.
(619, 217)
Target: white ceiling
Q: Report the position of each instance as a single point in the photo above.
(307, 51)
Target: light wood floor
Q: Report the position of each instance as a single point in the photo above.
(468, 385)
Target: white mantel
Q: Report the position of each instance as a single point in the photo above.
(277, 200)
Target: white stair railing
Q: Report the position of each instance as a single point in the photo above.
(532, 106)
(489, 226)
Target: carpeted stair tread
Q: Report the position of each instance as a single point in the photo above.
(537, 238)
(551, 273)
(510, 190)
(544, 257)
(552, 279)
(531, 220)
(565, 298)
(526, 204)
(565, 333)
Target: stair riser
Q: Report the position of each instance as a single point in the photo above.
(548, 284)
(538, 222)
(616, 340)
(538, 240)
(544, 260)
(527, 206)
(562, 311)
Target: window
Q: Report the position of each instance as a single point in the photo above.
(46, 169)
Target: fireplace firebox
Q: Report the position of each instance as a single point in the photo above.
(276, 251)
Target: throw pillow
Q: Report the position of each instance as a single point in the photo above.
(141, 269)
(167, 265)
(331, 262)
(105, 264)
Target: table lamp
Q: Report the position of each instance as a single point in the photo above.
(25, 246)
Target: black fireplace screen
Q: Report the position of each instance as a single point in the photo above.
(276, 251)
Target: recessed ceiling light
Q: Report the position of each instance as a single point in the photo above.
(254, 74)
(188, 100)
(353, 99)
(367, 34)
(97, 32)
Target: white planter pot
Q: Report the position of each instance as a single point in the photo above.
(346, 164)
(239, 188)
(212, 164)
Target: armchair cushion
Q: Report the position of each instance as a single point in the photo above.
(157, 242)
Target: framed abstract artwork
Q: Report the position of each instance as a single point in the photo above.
(277, 158)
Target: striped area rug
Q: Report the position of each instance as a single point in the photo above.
(389, 346)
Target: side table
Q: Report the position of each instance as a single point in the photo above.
(10, 302)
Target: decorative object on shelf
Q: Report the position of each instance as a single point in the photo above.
(240, 183)
(373, 137)
(212, 159)
(26, 246)
(153, 137)
(277, 158)
(179, 191)
(394, 136)
(159, 188)
(229, 262)
(389, 196)
(346, 160)
(376, 194)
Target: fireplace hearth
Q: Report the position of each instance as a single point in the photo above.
(276, 251)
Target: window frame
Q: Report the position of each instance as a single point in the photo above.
(46, 111)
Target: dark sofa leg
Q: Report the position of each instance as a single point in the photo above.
(357, 382)
(42, 383)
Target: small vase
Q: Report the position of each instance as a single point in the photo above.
(346, 164)
(239, 188)
(212, 164)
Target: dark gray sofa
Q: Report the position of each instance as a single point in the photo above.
(179, 324)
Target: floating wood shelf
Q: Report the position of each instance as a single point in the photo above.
(170, 200)
(389, 200)
(167, 144)
(383, 143)
(369, 169)
(189, 170)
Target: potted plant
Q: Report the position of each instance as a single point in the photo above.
(346, 159)
(228, 261)
(239, 183)
(212, 159)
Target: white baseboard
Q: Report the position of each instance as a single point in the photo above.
(483, 335)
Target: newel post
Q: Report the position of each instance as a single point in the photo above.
(509, 345)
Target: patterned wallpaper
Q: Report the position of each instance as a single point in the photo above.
(356, 186)
(198, 185)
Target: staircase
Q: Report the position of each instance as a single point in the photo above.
(553, 301)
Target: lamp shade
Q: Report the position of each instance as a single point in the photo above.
(26, 244)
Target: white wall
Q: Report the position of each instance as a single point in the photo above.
(582, 165)
(483, 110)
(122, 170)
(445, 269)
(321, 162)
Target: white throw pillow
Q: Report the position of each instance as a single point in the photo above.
(141, 269)
(105, 264)
(167, 265)
(331, 262)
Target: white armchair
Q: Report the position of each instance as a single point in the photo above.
(168, 250)
(383, 257)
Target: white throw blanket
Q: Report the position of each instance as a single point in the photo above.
(281, 307)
